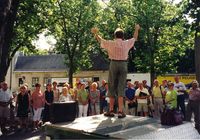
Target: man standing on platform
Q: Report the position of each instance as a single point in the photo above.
(118, 53)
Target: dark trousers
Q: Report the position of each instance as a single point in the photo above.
(117, 78)
(194, 107)
(181, 103)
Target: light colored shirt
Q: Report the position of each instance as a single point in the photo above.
(94, 96)
(56, 95)
(65, 98)
(118, 49)
(38, 100)
(171, 99)
(157, 92)
(137, 93)
(179, 86)
(5, 96)
(194, 95)
(83, 94)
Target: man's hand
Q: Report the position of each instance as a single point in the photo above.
(95, 30)
(137, 27)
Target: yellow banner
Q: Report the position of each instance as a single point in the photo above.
(186, 79)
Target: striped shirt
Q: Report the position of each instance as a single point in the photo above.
(118, 49)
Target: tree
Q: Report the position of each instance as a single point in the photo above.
(192, 8)
(160, 44)
(20, 25)
(70, 22)
(8, 12)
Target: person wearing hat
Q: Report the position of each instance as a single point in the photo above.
(118, 54)
(194, 105)
(171, 97)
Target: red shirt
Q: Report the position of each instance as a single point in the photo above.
(38, 99)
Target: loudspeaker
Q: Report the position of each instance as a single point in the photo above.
(63, 111)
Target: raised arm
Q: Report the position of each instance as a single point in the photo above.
(137, 28)
(95, 32)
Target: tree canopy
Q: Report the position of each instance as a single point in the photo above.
(165, 41)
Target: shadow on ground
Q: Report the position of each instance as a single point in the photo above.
(24, 135)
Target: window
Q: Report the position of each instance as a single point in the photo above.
(34, 81)
(20, 82)
(46, 81)
(95, 79)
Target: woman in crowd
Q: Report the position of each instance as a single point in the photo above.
(38, 101)
(194, 105)
(23, 106)
(49, 97)
(56, 92)
(169, 116)
(65, 96)
(94, 99)
(83, 97)
(171, 97)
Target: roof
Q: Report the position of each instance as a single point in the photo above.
(39, 63)
(98, 62)
(54, 62)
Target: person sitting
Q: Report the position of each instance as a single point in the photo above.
(65, 96)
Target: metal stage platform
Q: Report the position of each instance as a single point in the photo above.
(130, 127)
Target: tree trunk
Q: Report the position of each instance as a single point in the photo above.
(197, 57)
(8, 12)
(70, 74)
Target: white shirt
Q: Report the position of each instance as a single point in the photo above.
(179, 86)
(5, 96)
(137, 93)
(65, 98)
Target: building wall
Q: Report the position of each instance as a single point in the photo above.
(27, 77)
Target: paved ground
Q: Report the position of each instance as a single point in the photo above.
(20, 135)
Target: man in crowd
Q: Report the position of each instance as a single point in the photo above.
(194, 105)
(142, 96)
(180, 88)
(103, 102)
(5, 100)
(158, 94)
(130, 101)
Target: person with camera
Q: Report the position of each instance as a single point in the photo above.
(142, 96)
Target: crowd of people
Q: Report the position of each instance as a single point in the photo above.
(30, 109)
